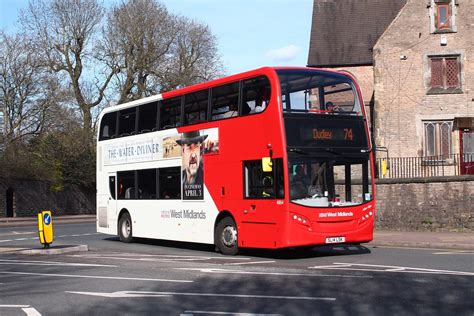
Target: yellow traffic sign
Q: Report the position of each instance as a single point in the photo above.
(45, 228)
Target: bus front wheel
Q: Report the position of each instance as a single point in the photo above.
(226, 237)
(125, 228)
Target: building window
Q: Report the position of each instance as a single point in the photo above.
(443, 16)
(445, 74)
(438, 140)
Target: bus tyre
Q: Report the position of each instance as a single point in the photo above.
(226, 237)
(125, 228)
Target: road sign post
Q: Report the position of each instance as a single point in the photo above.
(45, 228)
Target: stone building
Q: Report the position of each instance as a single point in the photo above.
(414, 60)
(343, 35)
(424, 82)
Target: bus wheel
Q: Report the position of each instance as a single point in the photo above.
(125, 228)
(226, 237)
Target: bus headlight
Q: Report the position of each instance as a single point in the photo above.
(300, 219)
(367, 213)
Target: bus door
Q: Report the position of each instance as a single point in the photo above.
(107, 202)
(263, 205)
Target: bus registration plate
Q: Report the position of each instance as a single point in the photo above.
(335, 240)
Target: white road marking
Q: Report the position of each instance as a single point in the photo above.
(160, 256)
(17, 233)
(228, 313)
(252, 262)
(384, 268)
(226, 271)
(36, 237)
(148, 259)
(457, 252)
(29, 311)
(15, 306)
(96, 277)
(127, 294)
(53, 263)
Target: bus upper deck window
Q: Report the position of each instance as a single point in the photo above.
(127, 122)
(170, 113)
(256, 94)
(195, 107)
(108, 125)
(224, 100)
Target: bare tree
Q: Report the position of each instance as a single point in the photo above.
(156, 50)
(195, 56)
(140, 34)
(27, 92)
(63, 33)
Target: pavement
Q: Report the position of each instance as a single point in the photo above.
(33, 220)
(382, 238)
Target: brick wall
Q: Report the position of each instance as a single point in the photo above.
(32, 196)
(432, 204)
(400, 73)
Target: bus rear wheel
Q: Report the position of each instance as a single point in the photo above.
(226, 237)
(125, 228)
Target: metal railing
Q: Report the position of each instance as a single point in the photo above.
(422, 167)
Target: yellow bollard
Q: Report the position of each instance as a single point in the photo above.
(384, 168)
(45, 228)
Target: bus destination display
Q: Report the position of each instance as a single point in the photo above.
(320, 133)
(346, 134)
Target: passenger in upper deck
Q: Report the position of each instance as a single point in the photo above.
(330, 107)
(233, 110)
(262, 101)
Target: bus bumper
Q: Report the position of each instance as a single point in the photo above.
(299, 234)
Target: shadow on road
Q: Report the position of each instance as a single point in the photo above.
(286, 253)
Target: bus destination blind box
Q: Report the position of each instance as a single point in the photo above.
(45, 228)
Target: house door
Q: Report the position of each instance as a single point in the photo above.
(467, 151)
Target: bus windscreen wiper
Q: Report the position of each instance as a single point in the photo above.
(332, 151)
(297, 151)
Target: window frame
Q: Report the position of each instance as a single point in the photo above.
(443, 26)
(225, 104)
(178, 119)
(135, 184)
(436, 144)
(191, 101)
(444, 87)
(435, 7)
(277, 173)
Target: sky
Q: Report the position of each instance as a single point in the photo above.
(250, 33)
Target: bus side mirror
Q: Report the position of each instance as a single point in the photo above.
(267, 165)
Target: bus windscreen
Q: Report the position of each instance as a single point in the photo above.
(315, 91)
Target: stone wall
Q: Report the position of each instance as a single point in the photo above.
(31, 196)
(431, 204)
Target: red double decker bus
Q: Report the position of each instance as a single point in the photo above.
(270, 158)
